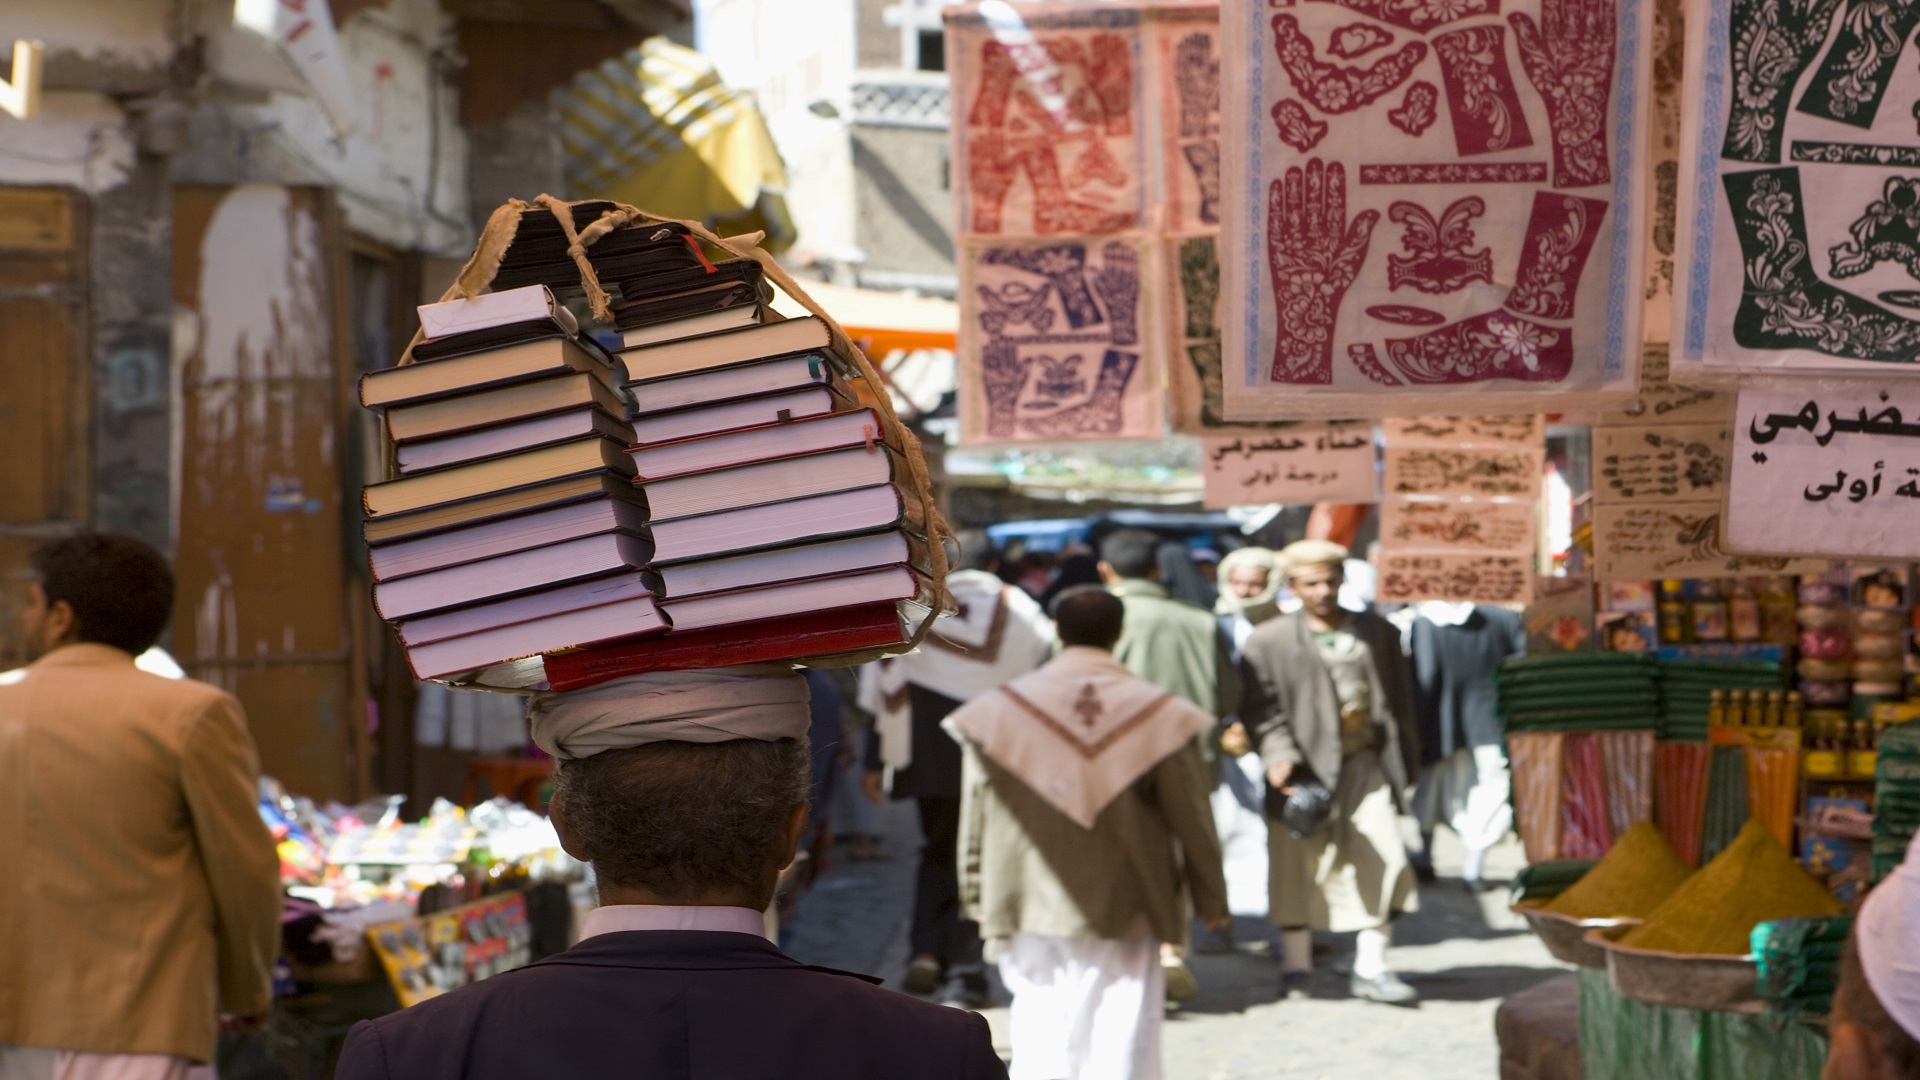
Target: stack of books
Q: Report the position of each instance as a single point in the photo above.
(514, 527)
(714, 495)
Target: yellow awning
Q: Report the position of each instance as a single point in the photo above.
(881, 322)
(657, 128)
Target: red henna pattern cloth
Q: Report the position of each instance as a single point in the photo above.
(1049, 130)
(1437, 194)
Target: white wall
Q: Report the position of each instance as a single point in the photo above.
(790, 55)
(80, 139)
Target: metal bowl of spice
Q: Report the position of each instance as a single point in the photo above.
(1565, 936)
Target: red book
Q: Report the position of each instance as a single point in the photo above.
(868, 626)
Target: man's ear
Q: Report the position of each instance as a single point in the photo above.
(1107, 574)
(796, 827)
(569, 840)
(62, 624)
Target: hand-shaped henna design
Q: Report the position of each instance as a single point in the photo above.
(1197, 77)
(1569, 57)
(1333, 88)
(1204, 159)
(1003, 374)
(1773, 42)
(1854, 76)
(1313, 254)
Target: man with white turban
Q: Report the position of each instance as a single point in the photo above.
(1875, 1023)
(1330, 703)
(687, 791)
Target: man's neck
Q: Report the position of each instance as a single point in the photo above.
(1334, 620)
(618, 895)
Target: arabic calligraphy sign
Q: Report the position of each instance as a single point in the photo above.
(1304, 464)
(1477, 526)
(1483, 579)
(1522, 429)
(1482, 471)
(1834, 473)
(1458, 518)
(1682, 463)
(1637, 541)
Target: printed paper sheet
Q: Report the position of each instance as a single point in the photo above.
(1458, 517)
(1306, 463)
(1059, 348)
(1799, 182)
(1827, 472)
(1185, 40)
(1436, 196)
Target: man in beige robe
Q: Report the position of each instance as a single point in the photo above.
(1331, 701)
(1085, 832)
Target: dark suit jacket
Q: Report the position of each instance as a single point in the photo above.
(672, 1005)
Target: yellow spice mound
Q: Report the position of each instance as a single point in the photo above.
(1637, 874)
(1715, 911)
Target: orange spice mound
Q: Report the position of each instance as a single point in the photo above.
(1753, 881)
(1636, 875)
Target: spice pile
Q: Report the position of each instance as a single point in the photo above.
(1632, 880)
(1715, 910)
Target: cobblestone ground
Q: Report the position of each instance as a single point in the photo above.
(1462, 951)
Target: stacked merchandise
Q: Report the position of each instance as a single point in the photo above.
(1681, 772)
(771, 493)
(512, 528)
(1543, 881)
(1800, 962)
(1896, 796)
(1578, 692)
(1826, 643)
(1687, 688)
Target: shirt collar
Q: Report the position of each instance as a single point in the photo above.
(618, 918)
(1137, 587)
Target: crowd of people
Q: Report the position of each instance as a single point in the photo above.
(1069, 761)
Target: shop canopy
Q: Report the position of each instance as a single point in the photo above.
(882, 322)
(657, 128)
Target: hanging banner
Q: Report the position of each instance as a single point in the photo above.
(1474, 471)
(1661, 170)
(1306, 463)
(1049, 136)
(1059, 348)
(1185, 43)
(1522, 429)
(1660, 464)
(1661, 401)
(1459, 515)
(1798, 186)
(1480, 579)
(1190, 283)
(1637, 541)
(1445, 199)
(1474, 527)
(1827, 472)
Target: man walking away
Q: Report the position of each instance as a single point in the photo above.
(1329, 702)
(687, 791)
(142, 898)
(1085, 828)
(997, 633)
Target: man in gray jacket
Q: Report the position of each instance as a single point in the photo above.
(1329, 701)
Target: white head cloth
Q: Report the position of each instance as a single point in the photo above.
(1305, 554)
(747, 701)
(1888, 932)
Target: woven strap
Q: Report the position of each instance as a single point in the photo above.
(497, 237)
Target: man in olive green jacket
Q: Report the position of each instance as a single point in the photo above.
(1172, 644)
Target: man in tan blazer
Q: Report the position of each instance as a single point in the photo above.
(1085, 835)
(140, 907)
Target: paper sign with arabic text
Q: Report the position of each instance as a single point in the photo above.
(1464, 526)
(1519, 429)
(1635, 542)
(1309, 463)
(1480, 579)
(1474, 471)
(1827, 472)
(1648, 464)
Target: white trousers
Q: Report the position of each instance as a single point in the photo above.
(41, 1063)
(1084, 1008)
(1468, 791)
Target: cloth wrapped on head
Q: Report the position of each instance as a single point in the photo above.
(747, 701)
(1888, 933)
(1306, 554)
(1259, 607)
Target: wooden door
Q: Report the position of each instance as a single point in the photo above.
(44, 388)
(260, 539)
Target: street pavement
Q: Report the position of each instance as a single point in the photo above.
(1463, 951)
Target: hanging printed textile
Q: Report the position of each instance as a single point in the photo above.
(1661, 170)
(1057, 348)
(1051, 196)
(1186, 54)
(1459, 507)
(1437, 197)
(1800, 189)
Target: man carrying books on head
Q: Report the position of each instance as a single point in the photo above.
(1087, 839)
(687, 791)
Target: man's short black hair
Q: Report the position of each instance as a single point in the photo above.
(976, 551)
(683, 819)
(1089, 615)
(120, 587)
(1133, 553)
